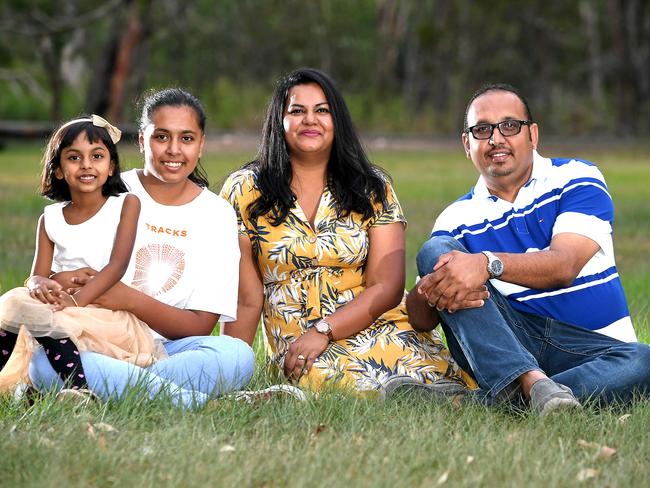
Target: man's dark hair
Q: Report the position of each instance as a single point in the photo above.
(497, 87)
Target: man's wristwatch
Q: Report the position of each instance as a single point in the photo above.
(323, 327)
(494, 265)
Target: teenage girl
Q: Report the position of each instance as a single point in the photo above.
(94, 224)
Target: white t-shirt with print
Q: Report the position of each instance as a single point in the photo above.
(186, 256)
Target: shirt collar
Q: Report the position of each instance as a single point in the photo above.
(540, 170)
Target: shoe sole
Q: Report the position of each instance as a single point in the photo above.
(76, 397)
(441, 389)
(559, 405)
(270, 392)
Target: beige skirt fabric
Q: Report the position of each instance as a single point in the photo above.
(117, 334)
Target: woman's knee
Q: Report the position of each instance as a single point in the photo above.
(431, 251)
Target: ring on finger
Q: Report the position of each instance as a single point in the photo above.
(304, 369)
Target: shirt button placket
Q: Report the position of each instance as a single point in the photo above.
(312, 240)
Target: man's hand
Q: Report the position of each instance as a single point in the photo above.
(458, 282)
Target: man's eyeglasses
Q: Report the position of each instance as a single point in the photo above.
(507, 128)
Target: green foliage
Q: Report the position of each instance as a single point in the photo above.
(234, 106)
(407, 66)
(17, 104)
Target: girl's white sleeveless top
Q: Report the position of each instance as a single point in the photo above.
(87, 244)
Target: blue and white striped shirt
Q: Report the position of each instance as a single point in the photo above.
(562, 195)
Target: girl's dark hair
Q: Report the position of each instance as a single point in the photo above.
(57, 189)
(175, 97)
(354, 181)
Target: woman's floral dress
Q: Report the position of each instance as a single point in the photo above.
(309, 273)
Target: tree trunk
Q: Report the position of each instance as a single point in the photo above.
(592, 36)
(52, 62)
(627, 111)
(126, 49)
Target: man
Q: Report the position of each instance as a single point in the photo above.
(520, 271)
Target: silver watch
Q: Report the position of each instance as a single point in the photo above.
(494, 265)
(323, 327)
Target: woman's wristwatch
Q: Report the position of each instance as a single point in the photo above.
(323, 327)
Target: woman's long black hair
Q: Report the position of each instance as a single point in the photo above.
(355, 183)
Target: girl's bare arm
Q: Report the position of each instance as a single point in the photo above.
(40, 286)
(120, 256)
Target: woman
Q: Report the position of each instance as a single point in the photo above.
(322, 245)
(183, 270)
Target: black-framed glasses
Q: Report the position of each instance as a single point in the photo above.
(507, 128)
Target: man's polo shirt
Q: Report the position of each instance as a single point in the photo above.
(562, 195)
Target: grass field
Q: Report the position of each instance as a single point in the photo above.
(333, 440)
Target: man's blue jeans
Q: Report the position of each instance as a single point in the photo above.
(497, 344)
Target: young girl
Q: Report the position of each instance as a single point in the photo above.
(94, 225)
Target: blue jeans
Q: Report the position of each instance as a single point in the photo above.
(197, 369)
(497, 344)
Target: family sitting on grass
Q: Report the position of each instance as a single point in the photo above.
(126, 288)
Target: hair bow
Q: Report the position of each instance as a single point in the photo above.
(114, 133)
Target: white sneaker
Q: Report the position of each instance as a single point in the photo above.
(255, 396)
(25, 393)
(76, 396)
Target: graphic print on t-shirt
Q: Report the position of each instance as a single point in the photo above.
(158, 267)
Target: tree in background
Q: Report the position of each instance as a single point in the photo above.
(405, 65)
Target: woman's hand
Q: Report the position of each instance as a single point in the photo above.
(43, 289)
(303, 352)
(71, 281)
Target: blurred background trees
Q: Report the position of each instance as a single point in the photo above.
(405, 66)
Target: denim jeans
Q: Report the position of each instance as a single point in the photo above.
(197, 369)
(497, 344)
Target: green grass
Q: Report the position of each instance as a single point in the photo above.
(333, 440)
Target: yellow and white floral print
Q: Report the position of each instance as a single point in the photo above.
(309, 273)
